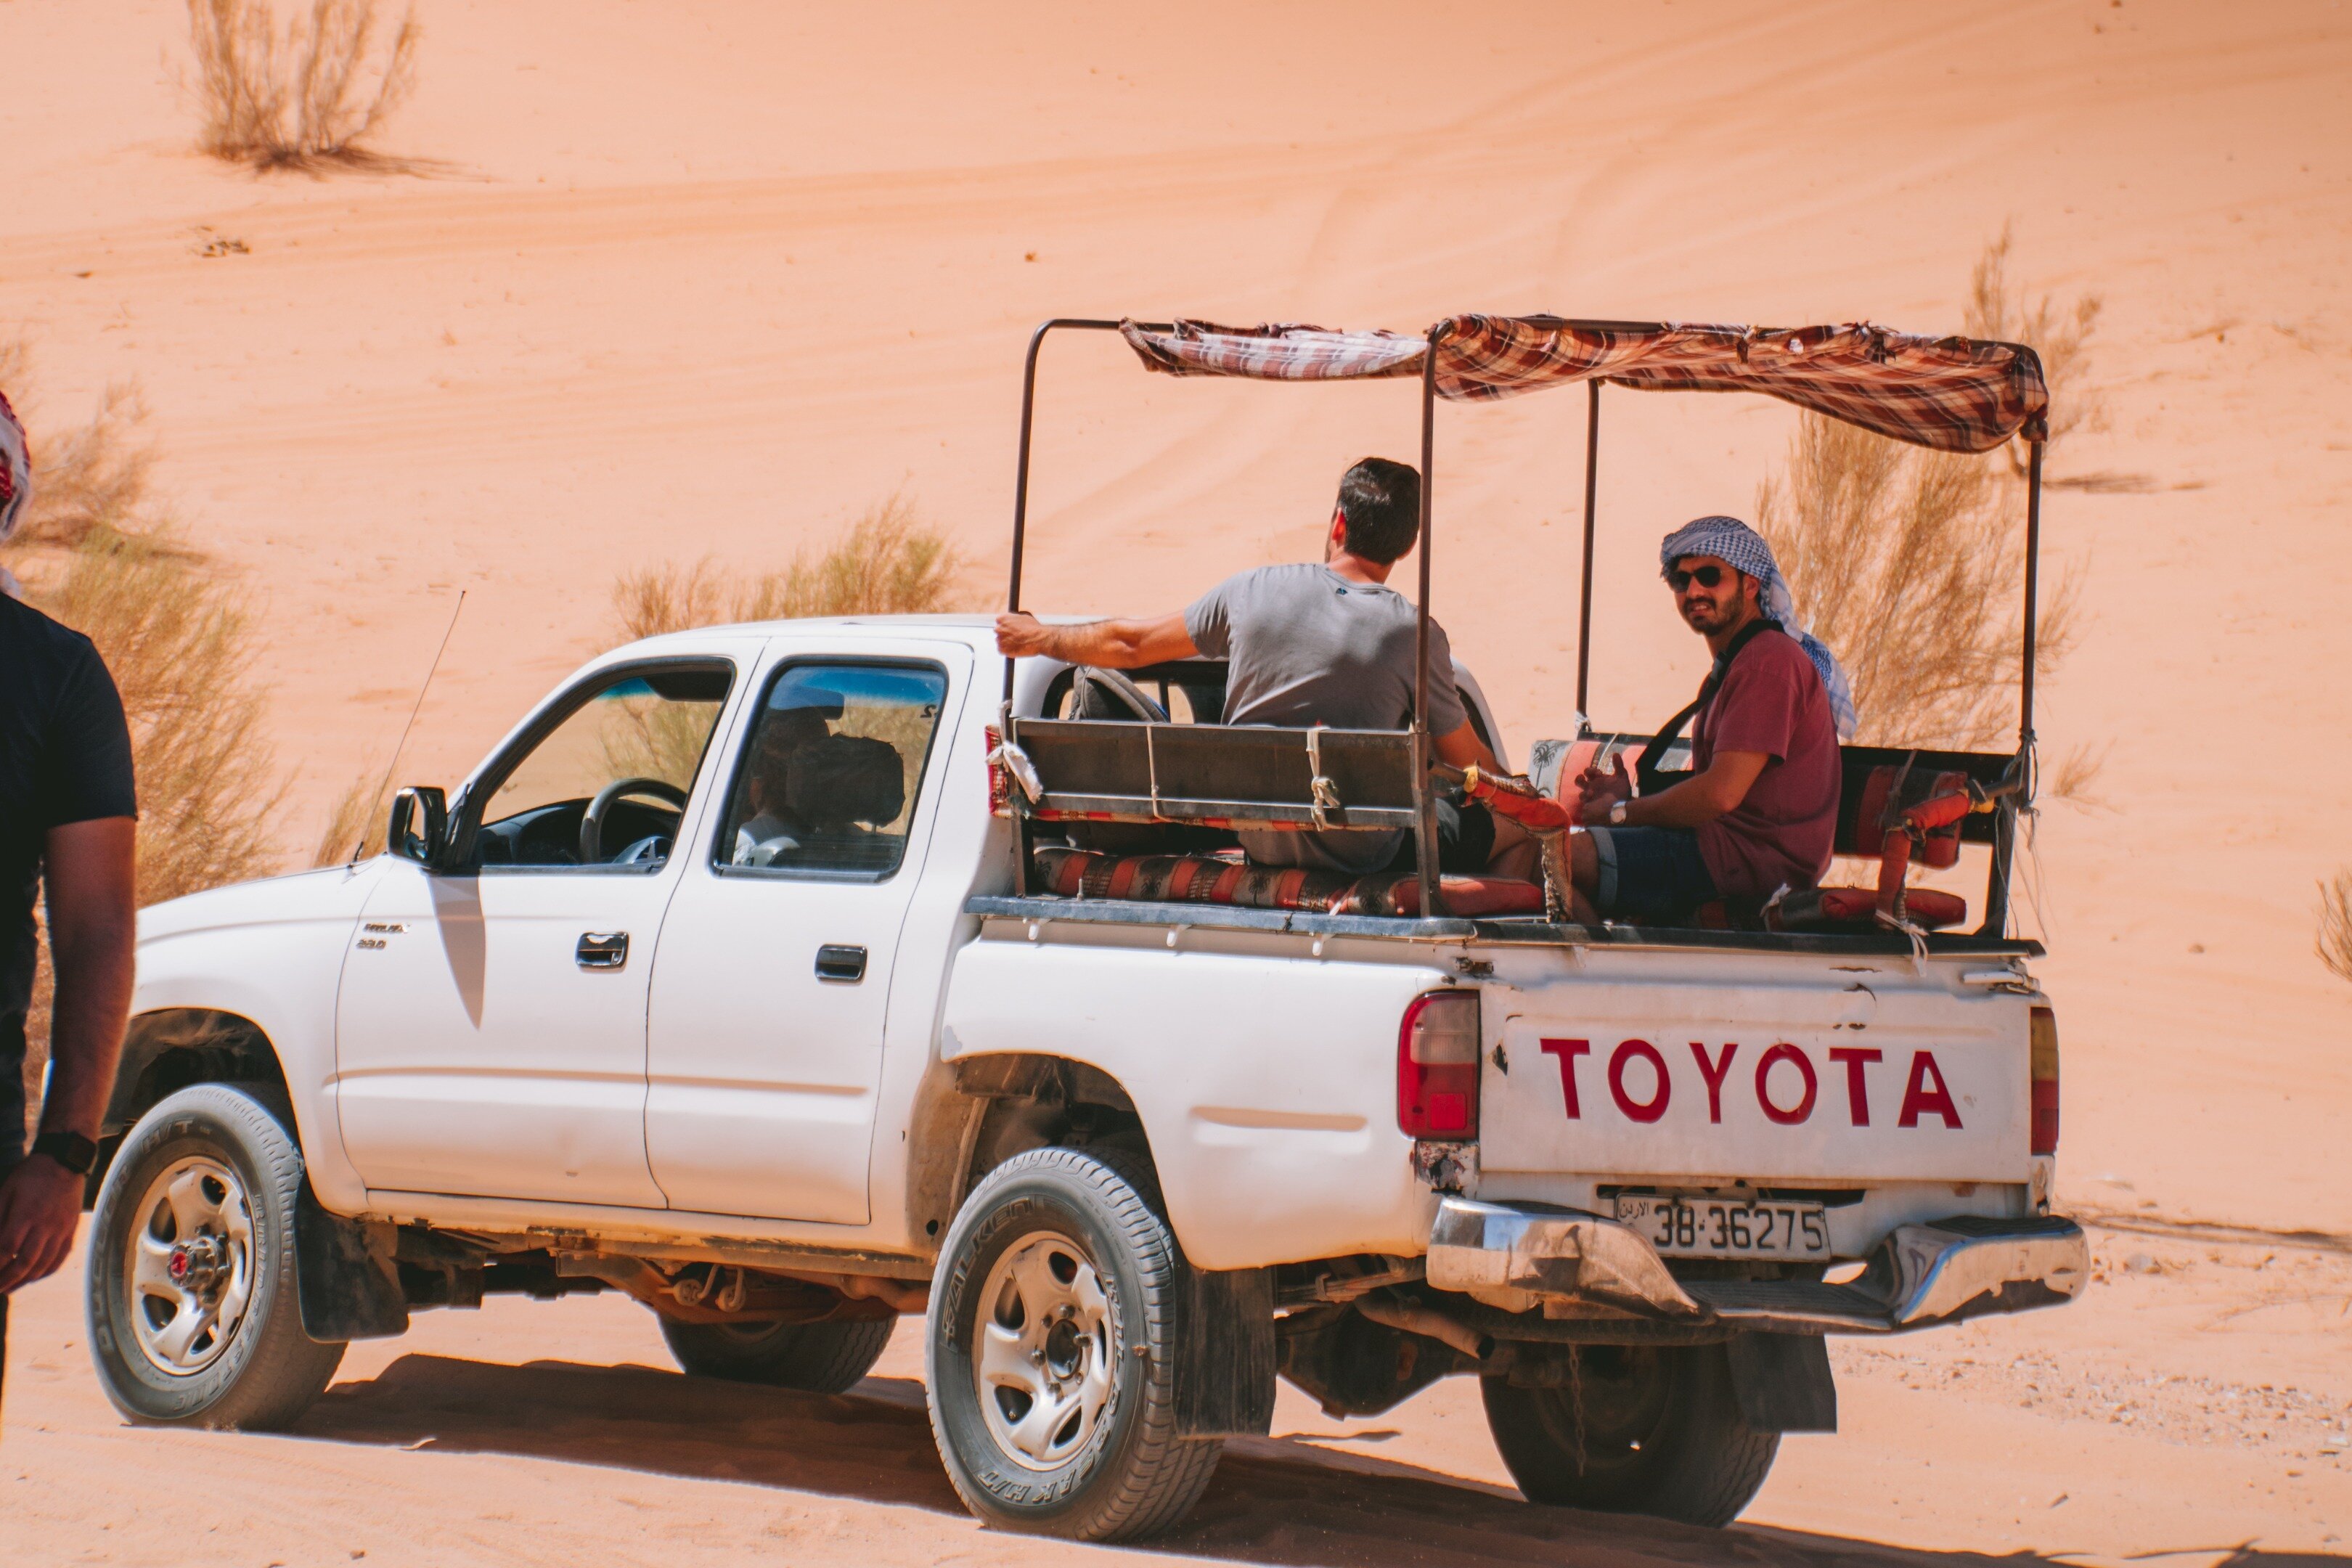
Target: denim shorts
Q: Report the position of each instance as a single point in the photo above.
(1651, 875)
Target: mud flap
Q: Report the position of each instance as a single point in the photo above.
(1783, 1383)
(1227, 1389)
(348, 1288)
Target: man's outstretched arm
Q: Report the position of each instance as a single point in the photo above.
(1106, 644)
(89, 874)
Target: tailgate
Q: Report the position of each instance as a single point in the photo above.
(1764, 1067)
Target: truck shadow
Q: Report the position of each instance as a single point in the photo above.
(1274, 1501)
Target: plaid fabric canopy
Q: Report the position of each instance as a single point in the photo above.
(1959, 395)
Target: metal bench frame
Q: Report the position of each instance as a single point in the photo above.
(1223, 803)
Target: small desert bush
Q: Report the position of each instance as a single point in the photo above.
(1910, 561)
(887, 564)
(92, 478)
(2334, 944)
(97, 551)
(355, 823)
(2059, 333)
(304, 97)
(181, 651)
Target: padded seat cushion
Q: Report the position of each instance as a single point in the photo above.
(1230, 880)
(1855, 908)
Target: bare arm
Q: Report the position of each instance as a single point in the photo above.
(1106, 644)
(1696, 801)
(1462, 747)
(89, 874)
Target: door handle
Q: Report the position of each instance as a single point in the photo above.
(841, 965)
(602, 949)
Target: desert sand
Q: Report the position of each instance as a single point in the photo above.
(709, 278)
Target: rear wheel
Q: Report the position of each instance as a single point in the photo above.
(194, 1316)
(1053, 1358)
(1652, 1429)
(817, 1358)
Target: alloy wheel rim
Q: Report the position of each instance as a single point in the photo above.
(1043, 1357)
(190, 1265)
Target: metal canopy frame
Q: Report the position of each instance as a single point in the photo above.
(1424, 809)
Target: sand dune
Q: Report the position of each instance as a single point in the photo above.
(713, 277)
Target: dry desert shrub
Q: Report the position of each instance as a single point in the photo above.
(355, 823)
(2334, 944)
(304, 97)
(94, 477)
(2059, 333)
(181, 651)
(887, 564)
(1910, 562)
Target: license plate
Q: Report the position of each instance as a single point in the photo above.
(1696, 1225)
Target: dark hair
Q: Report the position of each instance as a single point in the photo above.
(1381, 503)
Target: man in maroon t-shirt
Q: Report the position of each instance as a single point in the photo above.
(1759, 808)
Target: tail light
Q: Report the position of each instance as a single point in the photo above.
(1438, 1066)
(2045, 1081)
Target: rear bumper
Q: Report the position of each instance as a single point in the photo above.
(1573, 1265)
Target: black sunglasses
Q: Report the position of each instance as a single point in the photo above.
(1705, 576)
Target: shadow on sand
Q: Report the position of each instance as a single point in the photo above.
(1274, 1501)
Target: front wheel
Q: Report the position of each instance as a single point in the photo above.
(1652, 1429)
(1051, 1353)
(193, 1317)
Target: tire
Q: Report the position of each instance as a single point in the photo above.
(1065, 1238)
(1661, 1435)
(205, 1184)
(815, 1358)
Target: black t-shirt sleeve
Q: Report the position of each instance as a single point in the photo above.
(84, 769)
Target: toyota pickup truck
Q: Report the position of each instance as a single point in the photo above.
(796, 977)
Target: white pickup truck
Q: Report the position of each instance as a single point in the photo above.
(721, 984)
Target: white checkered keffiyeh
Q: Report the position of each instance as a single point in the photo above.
(15, 470)
(1730, 541)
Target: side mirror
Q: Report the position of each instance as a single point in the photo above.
(419, 824)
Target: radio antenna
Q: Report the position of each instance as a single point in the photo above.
(431, 670)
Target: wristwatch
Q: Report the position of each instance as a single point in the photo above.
(1617, 814)
(71, 1150)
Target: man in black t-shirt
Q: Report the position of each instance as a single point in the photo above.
(66, 821)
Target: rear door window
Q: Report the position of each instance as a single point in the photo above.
(827, 779)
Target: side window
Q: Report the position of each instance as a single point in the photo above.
(829, 772)
(626, 752)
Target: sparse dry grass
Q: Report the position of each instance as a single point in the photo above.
(181, 651)
(2334, 943)
(1910, 561)
(92, 478)
(887, 564)
(355, 823)
(97, 551)
(2060, 333)
(306, 97)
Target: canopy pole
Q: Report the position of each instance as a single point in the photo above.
(2032, 588)
(2004, 851)
(1020, 481)
(1424, 808)
(1584, 610)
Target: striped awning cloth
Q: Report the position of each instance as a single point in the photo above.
(1959, 395)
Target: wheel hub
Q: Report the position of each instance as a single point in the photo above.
(1044, 1356)
(190, 1269)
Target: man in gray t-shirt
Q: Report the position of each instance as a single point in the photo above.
(1304, 645)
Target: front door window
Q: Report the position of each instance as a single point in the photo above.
(606, 784)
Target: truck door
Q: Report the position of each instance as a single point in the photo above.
(490, 1028)
(773, 982)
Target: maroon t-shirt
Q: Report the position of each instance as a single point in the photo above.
(1772, 700)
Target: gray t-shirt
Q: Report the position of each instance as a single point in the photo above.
(1305, 645)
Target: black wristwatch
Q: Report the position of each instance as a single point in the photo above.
(71, 1150)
